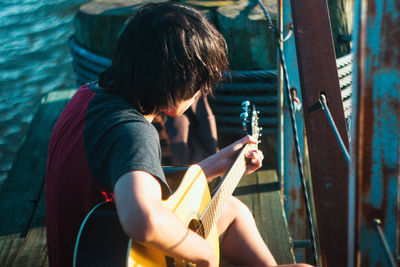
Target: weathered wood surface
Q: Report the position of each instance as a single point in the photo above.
(341, 14)
(251, 44)
(98, 23)
(375, 170)
(22, 210)
(261, 193)
(26, 250)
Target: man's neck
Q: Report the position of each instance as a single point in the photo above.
(149, 117)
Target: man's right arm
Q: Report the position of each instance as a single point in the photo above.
(144, 219)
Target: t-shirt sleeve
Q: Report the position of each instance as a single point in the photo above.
(125, 148)
(135, 151)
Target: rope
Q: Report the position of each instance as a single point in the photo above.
(383, 239)
(225, 109)
(344, 61)
(310, 222)
(346, 93)
(245, 87)
(344, 71)
(253, 99)
(83, 53)
(346, 155)
(98, 64)
(253, 75)
(84, 74)
(89, 65)
(235, 120)
(347, 109)
(236, 130)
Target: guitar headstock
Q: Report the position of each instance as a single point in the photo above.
(250, 120)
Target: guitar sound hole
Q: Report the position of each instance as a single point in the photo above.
(170, 261)
(196, 227)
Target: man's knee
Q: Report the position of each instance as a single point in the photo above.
(238, 208)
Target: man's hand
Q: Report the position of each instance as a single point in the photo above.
(219, 163)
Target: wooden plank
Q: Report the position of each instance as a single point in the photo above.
(375, 173)
(329, 170)
(33, 251)
(341, 14)
(27, 173)
(15, 216)
(21, 191)
(22, 207)
(9, 246)
(243, 25)
(261, 193)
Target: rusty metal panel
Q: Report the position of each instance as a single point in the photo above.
(329, 170)
(288, 171)
(375, 149)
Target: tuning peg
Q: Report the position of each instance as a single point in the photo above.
(244, 115)
(245, 104)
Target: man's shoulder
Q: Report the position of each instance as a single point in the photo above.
(110, 116)
(108, 110)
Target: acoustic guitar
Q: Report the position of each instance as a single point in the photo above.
(102, 242)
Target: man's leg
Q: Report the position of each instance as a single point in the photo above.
(240, 241)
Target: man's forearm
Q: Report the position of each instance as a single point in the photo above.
(173, 237)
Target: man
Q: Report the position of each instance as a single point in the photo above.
(104, 143)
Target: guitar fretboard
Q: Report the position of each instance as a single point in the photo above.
(228, 184)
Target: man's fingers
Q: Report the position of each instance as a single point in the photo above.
(250, 139)
(241, 142)
(247, 139)
(255, 157)
(255, 154)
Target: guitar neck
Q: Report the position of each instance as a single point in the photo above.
(228, 184)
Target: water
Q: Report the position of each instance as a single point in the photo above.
(34, 59)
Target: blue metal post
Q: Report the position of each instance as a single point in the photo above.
(374, 173)
(288, 171)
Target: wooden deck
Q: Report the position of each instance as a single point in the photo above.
(22, 205)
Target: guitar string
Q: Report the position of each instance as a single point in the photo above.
(207, 223)
(214, 209)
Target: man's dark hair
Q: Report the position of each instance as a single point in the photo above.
(166, 53)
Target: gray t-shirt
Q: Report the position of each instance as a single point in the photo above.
(118, 140)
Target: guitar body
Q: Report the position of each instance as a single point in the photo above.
(102, 242)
